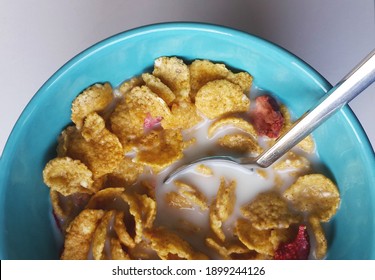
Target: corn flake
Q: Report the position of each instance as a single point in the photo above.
(125, 174)
(117, 253)
(79, 234)
(184, 116)
(169, 245)
(157, 86)
(204, 169)
(93, 99)
(269, 211)
(124, 236)
(236, 122)
(164, 148)
(100, 236)
(204, 71)
(316, 194)
(320, 238)
(143, 209)
(68, 176)
(240, 143)
(173, 72)
(252, 238)
(128, 119)
(220, 97)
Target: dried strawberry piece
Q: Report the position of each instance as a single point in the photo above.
(298, 249)
(150, 122)
(266, 117)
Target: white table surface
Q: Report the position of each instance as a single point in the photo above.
(39, 36)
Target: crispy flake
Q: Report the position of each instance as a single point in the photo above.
(164, 148)
(320, 238)
(127, 120)
(101, 151)
(157, 86)
(316, 194)
(240, 143)
(204, 71)
(125, 174)
(169, 245)
(184, 116)
(177, 200)
(173, 72)
(68, 176)
(220, 97)
(204, 169)
(93, 99)
(117, 253)
(143, 208)
(106, 199)
(79, 234)
(236, 122)
(252, 238)
(192, 194)
(269, 211)
(100, 236)
(121, 230)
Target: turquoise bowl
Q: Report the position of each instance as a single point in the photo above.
(27, 228)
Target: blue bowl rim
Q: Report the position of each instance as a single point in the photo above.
(348, 114)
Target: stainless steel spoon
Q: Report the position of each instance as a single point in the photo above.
(349, 87)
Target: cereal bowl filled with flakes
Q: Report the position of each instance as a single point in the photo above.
(82, 174)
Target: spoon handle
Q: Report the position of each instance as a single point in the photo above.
(349, 87)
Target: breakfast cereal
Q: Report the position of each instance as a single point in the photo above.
(106, 184)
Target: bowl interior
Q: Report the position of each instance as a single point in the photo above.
(26, 223)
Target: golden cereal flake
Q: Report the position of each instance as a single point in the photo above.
(252, 238)
(192, 194)
(204, 71)
(231, 251)
(68, 176)
(79, 234)
(117, 253)
(316, 194)
(220, 97)
(100, 236)
(121, 230)
(101, 152)
(225, 199)
(169, 245)
(157, 86)
(215, 222)
(128, 85)
(235, 122)
(143, 209)
(177, 200)
(93, 99)
(128, 118)
(243, 79)
(240, 143)
(269, 211)
(204, 169)
(320, 238)
(222, 207)
(125, 174)
(173, 72)
(167, 147)
(184, 116)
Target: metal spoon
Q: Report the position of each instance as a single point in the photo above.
(344, 91)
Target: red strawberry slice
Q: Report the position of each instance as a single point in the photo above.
(298, 249)
(266, 117)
